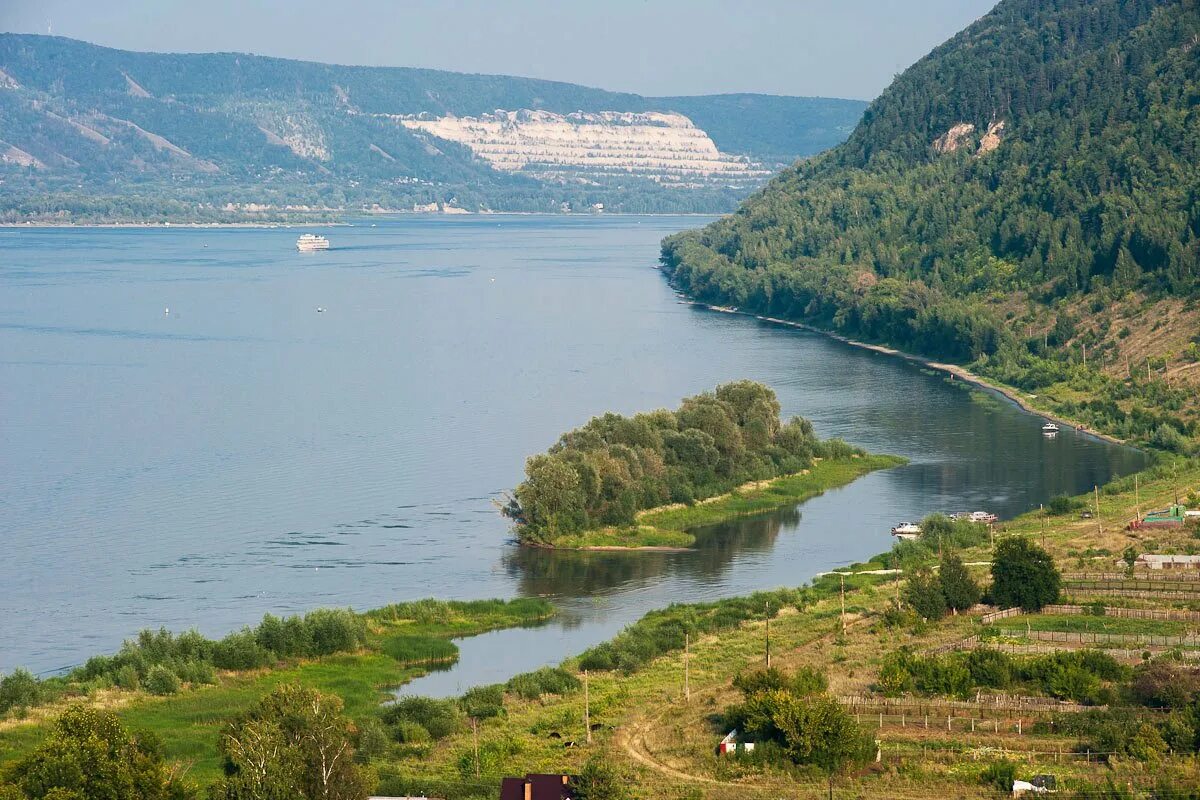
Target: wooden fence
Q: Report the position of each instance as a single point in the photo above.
(1095, 637)
(988, 619)
(1127, 613)
(1169, 583)
(982, 703)
(1169, 575)
(1073, 592)
(1121, 654)
(949, 723)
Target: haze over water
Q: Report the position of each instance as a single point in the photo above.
(243, 453)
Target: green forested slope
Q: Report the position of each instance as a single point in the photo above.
(1086, 194)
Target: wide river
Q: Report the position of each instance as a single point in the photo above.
(186, 440)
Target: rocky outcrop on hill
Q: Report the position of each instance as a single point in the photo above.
(664, 146)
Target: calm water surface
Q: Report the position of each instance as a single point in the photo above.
(243, 453)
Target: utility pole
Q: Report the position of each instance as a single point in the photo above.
(1137, 499)
(843, 577)
(1042, 514)
(1099, 524)
(687, 688)
(475, 738)
(768, 614)
(1084, 346)
(587, 708)
(1148, 378)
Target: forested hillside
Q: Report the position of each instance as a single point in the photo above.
(94, 132)
(1025, 198)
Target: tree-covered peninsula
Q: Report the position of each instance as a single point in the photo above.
(639, 481)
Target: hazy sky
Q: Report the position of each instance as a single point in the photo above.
(838, 48)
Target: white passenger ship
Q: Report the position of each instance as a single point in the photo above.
(311, 241)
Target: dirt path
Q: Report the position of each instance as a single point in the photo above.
(631, 738)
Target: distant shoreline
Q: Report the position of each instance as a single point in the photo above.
(344, 224)
(955, 371)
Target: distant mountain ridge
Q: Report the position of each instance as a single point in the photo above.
(82, 125)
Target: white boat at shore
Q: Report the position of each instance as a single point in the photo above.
(1050, 428)
(309, 242)
(907, 531)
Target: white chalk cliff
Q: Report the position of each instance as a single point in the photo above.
(663, 146)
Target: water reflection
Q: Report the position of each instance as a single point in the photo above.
(570, 574)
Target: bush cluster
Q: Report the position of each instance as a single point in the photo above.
(547, 680)
(952, 588)
(796, 720)
(665, 630)
(1123, 732)
(20, 690)
(161, 661)
(418, 720)
(1084, 676)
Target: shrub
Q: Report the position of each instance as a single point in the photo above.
(1160, 685)
(1062, 504)
(894, 677)
(197, 672)
(600, 780)
(999, 775)
(409, 732)
(439, 718)
(958, 587)
(547, 680)
(127, 678)
(240, 651)
(372, 741)
(19, 689)
(1024, 575)
(483, 702)
(161, 681)
(990, 668)
(334, 630)
(924, 594)
(803, 682)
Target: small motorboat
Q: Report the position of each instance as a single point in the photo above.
(982, 517)
(907, 531)
(1050, 428)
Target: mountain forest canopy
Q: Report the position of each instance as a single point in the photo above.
(1022, 178)
(614, 466)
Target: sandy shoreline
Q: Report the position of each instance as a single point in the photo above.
(955, 371)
